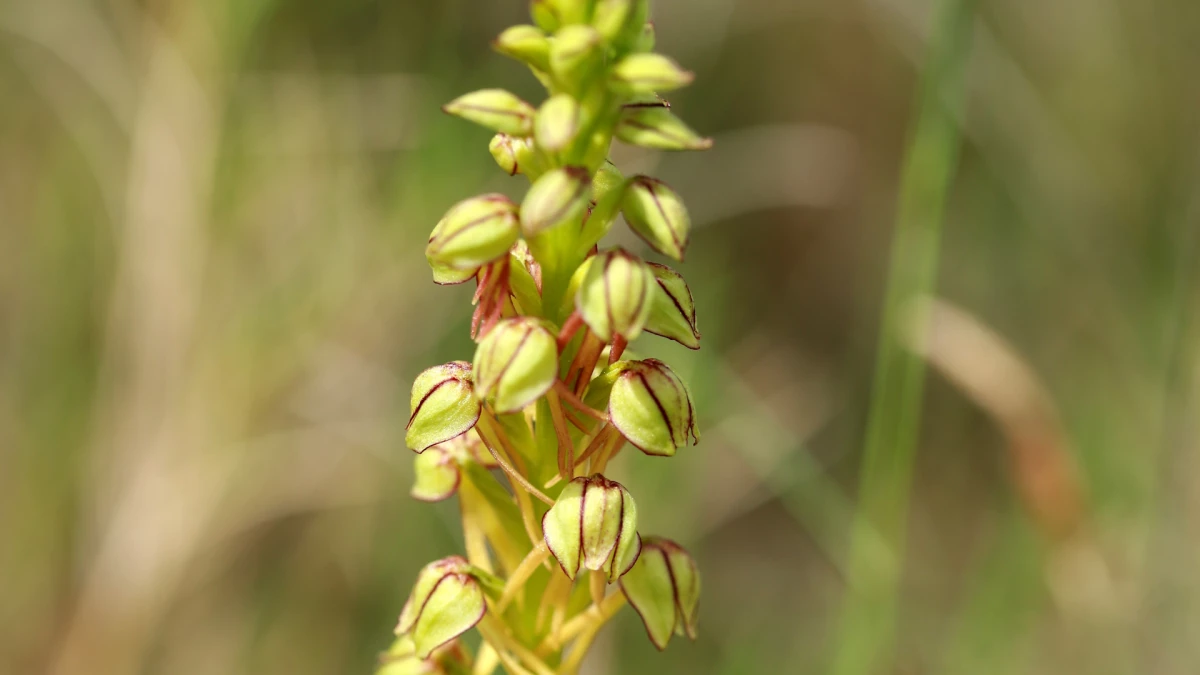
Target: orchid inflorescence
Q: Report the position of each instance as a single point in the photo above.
(548, 401)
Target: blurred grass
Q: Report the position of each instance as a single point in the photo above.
(212, 302)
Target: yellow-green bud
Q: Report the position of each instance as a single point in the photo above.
(557, 122)
(443, 405)
(651, 407)
(657, 215)
(615, 296)
(611, 17)
(645, 38)
(672, 311)
(593, 525)
(574, 51)
(401, 659)
(556, 197)
(445, 275)
(446, 601)
(437, 472)
(647, 74)
(545, 15)
(473, 232)
(657, 127)
(515, 364)
(664, 588)
(527, 44)
(495, 109)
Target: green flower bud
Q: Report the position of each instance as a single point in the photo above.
(672, 311)
(515, 155)
(657, 215)
(664, 588)
(495, 109)
(644, 41)
(615, 296)
(473, 232)
(647, 74)
(593, 525)
(401, 659)
(446, 275)
(658, 128)
(557, 197)
(446, 601)
(516, 363)
(443, 405)
(527, 44)
(574, 51)
(437, 472)
(611, 17)
(545, 15)
(651, 407)
(557, 122)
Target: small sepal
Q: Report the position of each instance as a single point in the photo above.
(651, 407)
(672, 310)
(557, 197)
(437, 472)
(658, 128)
(496, 109)
(593, 525)
(443, 405)
(515, 364)
(527, 44)
(557, 122)
(513, 154)
(615, 296)
(657, 215)
(474, 232)
(664, 588)
(639, 74)
(447, 600)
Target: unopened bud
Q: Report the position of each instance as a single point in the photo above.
(573, 52)
(401, 659)
(473, 232)
(664, 588)
(593, 525)
(651, 407)
(495, 109)
(672, 311)
(615, 296)
(658, 128)
(610, 17)
(648, 73)
(644, 42)
(657, 215)
(443, 405)
(527, 44)
(545, 15)
(446, 601)
(515, 364)
(445, 275)
(437, 472)
(557, 122)
(556, 197)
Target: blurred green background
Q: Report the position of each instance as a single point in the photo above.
(213, 300)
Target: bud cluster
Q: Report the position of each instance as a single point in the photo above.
(523, 434)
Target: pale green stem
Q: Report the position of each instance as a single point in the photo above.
(865, 639)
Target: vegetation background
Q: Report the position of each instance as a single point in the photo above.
(213, 300)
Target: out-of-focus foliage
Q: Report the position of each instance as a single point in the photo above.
(213, 296)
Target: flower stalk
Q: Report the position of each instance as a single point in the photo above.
(524, 433)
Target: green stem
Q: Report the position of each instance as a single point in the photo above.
(866, 634)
